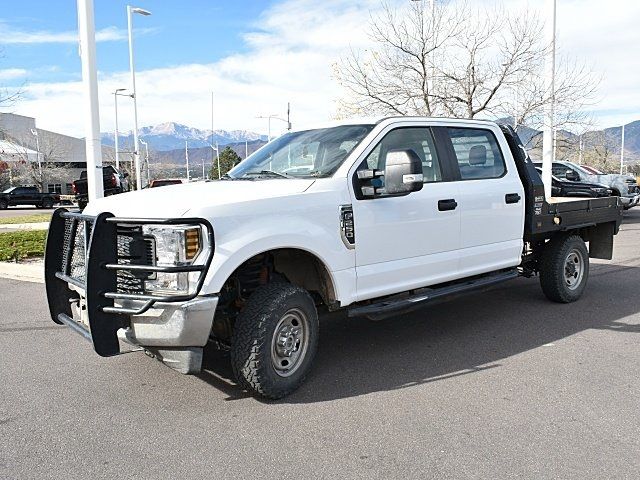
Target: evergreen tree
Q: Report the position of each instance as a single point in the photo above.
(228, 159)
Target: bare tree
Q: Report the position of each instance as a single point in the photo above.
(53, 152)
(460, 61)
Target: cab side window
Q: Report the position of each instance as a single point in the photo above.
(418, 139)
(478, 153)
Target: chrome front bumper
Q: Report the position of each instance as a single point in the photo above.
(172, 325)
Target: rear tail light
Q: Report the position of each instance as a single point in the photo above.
(74, 189)
(113, 180)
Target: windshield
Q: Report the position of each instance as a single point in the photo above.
(8, 190)
(311, 153)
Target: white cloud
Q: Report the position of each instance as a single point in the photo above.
(10, 35)
(291, 48)
(12, 73)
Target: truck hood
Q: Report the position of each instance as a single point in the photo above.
(175, 201)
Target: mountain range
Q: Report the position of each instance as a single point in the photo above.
(167, 140)
(172, 136)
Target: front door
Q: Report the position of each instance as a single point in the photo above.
(408, 241)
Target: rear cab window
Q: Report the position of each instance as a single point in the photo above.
(477, 153)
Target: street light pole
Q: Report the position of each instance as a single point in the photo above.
(34, 132)
(116, 140)
(622, 152)
(136, 154)
(186, 156)
(93, 147)
(146, 158)
(549, 127)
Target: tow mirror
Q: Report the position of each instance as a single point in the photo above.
(402, 172)
(402, 175)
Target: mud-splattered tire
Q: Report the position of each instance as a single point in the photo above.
(564, 269)
(274, 340)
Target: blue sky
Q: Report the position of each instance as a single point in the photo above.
(196, 31)
(255, 56)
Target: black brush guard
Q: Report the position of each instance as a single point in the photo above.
(98, 274)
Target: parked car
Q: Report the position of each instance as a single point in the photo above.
(565, 188)
(161, 182)
(27, 196)
(113, 183)
(396, 214)
(623, 186)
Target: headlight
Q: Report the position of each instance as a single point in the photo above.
(178, 245)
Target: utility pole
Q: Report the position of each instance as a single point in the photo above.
(246, 148)
(622, 152)
(186, 156)
(549, 124)
(93, 147)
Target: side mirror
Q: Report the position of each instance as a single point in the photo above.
(572, 176)
(402, 172)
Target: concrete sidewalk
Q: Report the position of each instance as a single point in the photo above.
(27, 271)
(12, 227)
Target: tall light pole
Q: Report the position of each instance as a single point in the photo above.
(186, 156)
(34, 132)
(549, 124)
(146, 158)
(275, 117)
(93, 147)
(117, 133)
(136, 154)
(622, 152)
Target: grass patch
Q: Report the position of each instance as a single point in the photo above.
(22, 244)
(35, 218)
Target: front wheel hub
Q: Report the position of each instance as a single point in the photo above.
(290, 342)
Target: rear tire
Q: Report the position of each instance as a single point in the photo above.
(47, 203)
(3, 204)
(274, 340)
(564, 269)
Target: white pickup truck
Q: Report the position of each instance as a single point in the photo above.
(375, 217)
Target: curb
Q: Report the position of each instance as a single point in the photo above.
(25, 272)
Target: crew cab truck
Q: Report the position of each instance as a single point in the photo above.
(394, 214)
(19, 196)
(113, 183)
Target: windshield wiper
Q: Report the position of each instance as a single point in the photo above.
(266, 173)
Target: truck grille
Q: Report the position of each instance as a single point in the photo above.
(133, 248)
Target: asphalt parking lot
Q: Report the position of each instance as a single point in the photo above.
(500, 384)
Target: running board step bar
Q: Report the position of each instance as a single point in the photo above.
(418, 298)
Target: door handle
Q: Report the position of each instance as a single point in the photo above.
(512, 198)
(445, 205)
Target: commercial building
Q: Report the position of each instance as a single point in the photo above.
(41, 157)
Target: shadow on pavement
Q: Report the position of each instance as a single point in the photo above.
(471, 334)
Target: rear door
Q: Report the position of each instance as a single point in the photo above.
(491, 199)
(408, 241)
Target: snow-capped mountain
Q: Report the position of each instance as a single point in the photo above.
(172, 135)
